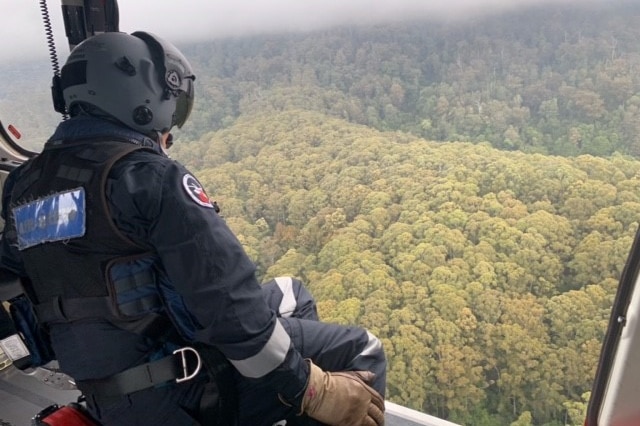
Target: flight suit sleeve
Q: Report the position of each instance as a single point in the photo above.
(210, 270)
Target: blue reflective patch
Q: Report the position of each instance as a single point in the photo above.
(57, 217)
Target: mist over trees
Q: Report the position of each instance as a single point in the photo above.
(560, 81)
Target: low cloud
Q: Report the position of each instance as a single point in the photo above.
(23, 35)
(216, 19)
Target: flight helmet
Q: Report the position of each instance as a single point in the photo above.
(138, 79)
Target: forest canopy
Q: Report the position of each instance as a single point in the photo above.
(489, 275)
(556, 80)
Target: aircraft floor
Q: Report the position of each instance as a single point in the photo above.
(22, 397)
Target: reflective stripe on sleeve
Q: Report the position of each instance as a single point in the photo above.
(373, 345)
(270, 357)
(288, 303)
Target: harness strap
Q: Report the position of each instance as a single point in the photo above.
(219, 404)
(68, 309)
(173, 367)
(65, 309)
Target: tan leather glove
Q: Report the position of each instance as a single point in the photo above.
(342, 398)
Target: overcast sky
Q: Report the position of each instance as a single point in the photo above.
(22, 35)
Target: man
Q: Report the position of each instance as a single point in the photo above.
(139, 281)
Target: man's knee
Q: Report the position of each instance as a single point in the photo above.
(290, 298)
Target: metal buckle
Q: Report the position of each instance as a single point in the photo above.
(185, 368)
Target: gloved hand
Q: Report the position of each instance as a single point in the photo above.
(343, 398)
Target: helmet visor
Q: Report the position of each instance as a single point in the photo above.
(175, 75)
(184, 103)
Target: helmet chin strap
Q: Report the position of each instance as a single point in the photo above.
(156, 136)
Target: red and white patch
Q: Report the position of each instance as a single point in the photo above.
(196, 191)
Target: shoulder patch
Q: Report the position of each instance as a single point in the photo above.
(196, 191)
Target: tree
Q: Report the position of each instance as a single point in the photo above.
(523, 420)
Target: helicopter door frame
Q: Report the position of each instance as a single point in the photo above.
(614, 395)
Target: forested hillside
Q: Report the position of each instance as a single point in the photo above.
(557, 80)
(488, 275)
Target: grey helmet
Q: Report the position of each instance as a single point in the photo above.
(139, 79)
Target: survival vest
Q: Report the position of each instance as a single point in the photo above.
(70, 244)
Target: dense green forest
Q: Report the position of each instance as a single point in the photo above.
(549, 80)
(489, 275)
(467, 190)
